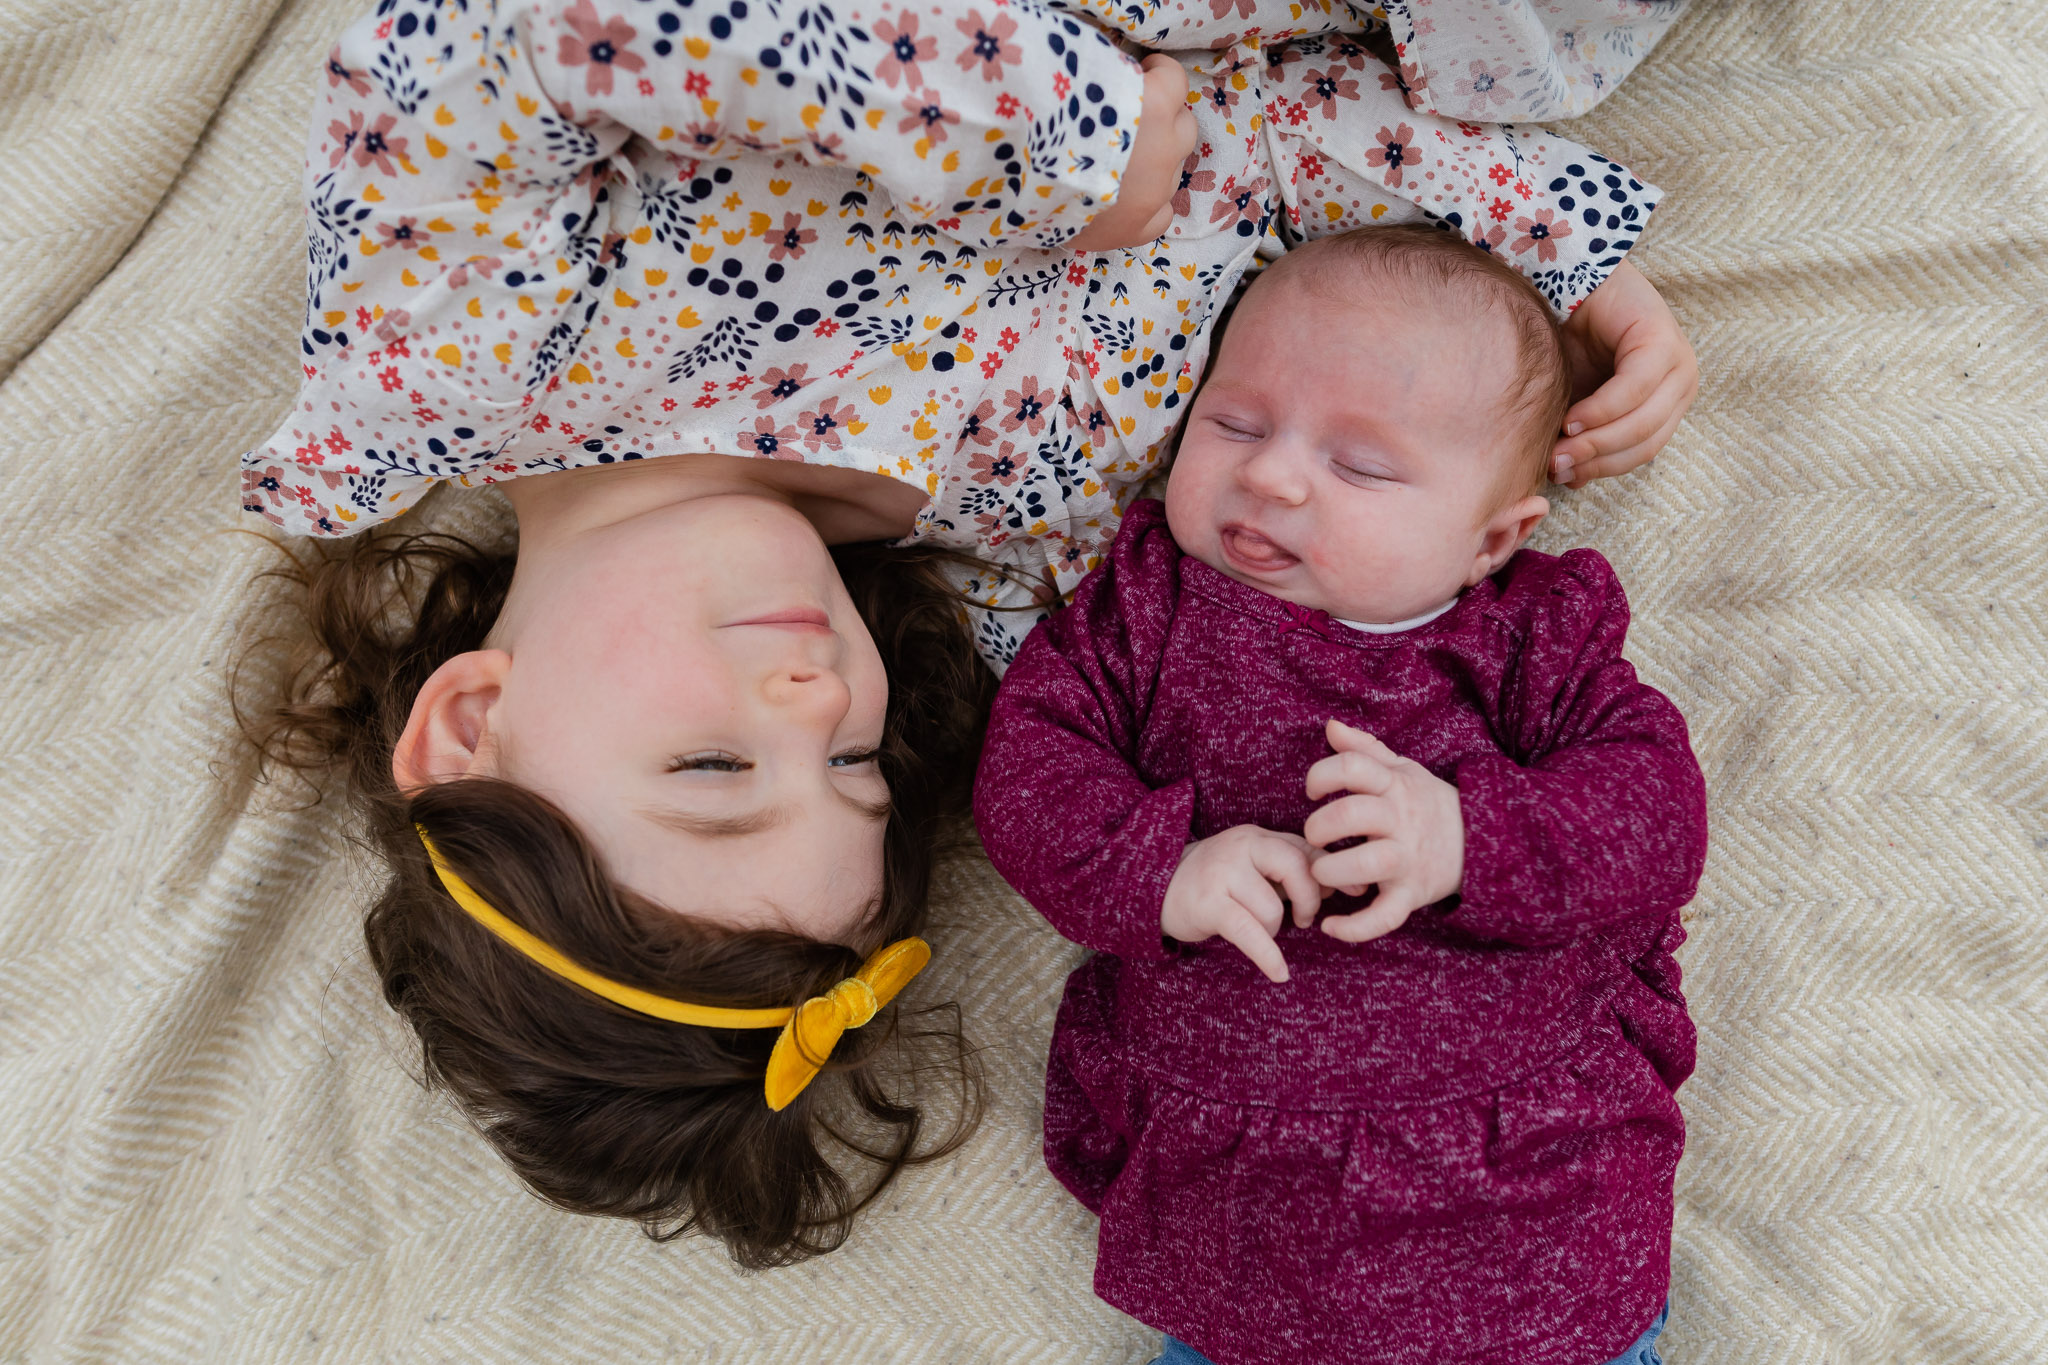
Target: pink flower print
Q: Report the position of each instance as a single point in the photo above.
(1350, 53)
(601, 45)
(1243, 205)
(1541, 233)
(1219, 95)
(406, 234)
(769, 442)
(907, 48)
(703, 136)
(1325, 88)
(928, 115)
(1220, 9)
(1026, 407)
(986, 45)
(820, 430)
(780, 384)
(1490, 238)
(343, 136)
(482, 265)
(977, 428)
(825, 147)
(392, 327)
(1394, 150)
(1003, 465)
(791, 240)
(337, 74)
(1414, 84)
(1094, 420)
(1191, 180)
(261, 492)
(1483, 87)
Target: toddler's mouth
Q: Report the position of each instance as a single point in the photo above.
(1249, 552)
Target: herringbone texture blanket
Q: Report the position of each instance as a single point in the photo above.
(211, 1147)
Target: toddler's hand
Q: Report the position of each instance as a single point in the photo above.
(1166, 134)
(1225, 884)
(1415, 831)
(1625, 337)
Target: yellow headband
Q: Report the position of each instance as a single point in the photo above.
(809, 1032)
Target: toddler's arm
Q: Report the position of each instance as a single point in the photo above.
(1351, 153)
(1521, 59)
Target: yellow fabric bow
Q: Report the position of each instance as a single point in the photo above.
(809, 1032)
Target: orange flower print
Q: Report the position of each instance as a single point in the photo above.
(820, 430)
(791, 240)
(906, 49)
(768, 441)
(1542, 231)
(928, 115)
(987, 45)
(601, 45)
(1395, 149)
(406, 234)
(780, 384)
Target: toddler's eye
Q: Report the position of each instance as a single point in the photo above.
(709, 763)
(1359, 476)
(853, 759)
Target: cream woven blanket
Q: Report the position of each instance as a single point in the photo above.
(211, 1148)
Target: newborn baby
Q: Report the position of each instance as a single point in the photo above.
(1428, 1114)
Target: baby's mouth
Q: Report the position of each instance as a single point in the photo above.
(1249, 552)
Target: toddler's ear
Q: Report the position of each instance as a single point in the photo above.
(449, 729)
(1503, 534)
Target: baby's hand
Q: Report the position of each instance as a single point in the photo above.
(1225, 884)
(1415, 831)
(1144, 198)
(1633, 374)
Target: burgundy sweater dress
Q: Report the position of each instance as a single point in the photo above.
(1455, 1142)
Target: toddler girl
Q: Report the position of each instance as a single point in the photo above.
(678, 739)
(1438, 1124)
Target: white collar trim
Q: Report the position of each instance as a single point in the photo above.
(1395, 627)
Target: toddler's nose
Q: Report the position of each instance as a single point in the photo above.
(808, 692)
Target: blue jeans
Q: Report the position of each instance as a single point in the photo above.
(1644, 1352)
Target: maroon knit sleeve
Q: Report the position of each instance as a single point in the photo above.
(1062, 810)
(1597, 811)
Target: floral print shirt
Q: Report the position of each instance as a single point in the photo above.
(545, 234)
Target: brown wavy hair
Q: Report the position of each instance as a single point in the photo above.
(597, 1109)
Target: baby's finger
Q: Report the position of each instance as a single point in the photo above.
(1631, 427)
(1243, 932)
(1361, 865)
(1255, 895)
(1363, 774)
(1380, 918)
(1284, 859)
(1349, 817)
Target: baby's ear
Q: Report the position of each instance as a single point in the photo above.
(1504, 533)
(449, 730)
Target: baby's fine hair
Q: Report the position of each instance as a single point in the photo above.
(597, 1109)
(1417, 254)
